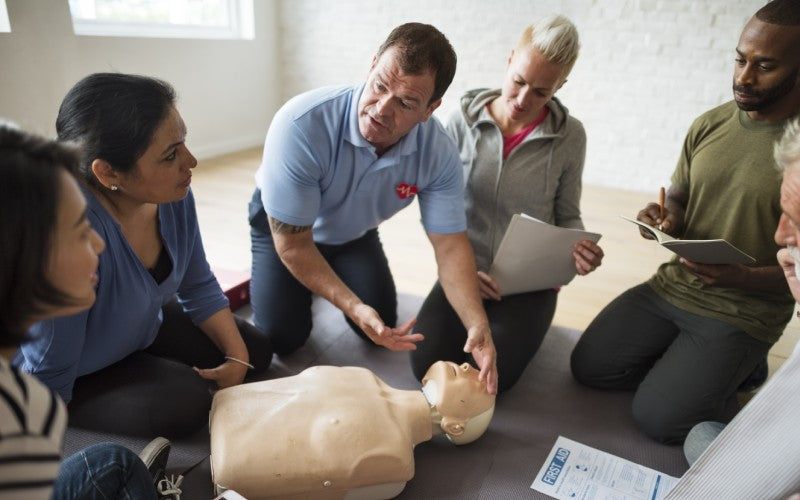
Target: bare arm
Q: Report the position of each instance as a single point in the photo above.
(761, 279)
(222, 330)
(296, 248)
(459, 278)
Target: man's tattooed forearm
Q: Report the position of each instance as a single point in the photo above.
(279, 227)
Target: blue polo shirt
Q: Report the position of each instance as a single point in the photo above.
(319, 170)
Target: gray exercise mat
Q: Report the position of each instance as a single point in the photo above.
(545, 403)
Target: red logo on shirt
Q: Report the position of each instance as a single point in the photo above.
(405, 191)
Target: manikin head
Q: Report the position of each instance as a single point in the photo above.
(460, 398)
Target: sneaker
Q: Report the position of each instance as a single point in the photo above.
(757, 378)
(169, 487)
(155, 456)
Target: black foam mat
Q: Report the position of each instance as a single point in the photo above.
(528, 418)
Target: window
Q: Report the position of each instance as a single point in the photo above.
(164, 18)
(5, 27)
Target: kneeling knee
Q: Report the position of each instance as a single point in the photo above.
(658, 420)
(584, 365)
(285, 338)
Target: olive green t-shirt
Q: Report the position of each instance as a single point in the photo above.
(727, 168)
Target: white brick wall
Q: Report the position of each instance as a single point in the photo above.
(646, 69)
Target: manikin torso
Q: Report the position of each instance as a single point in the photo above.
(329, 432)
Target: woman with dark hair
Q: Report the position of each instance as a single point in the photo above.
(140, 361)
(48, 263)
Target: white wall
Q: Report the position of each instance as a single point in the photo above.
(227, 89)
(646, 69)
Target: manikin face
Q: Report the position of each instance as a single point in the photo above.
(393, 102)
(461, 400)
(767, 70)
(530, 81)
(164, 171)
(72, 268)
(788, 232)
(455, 390)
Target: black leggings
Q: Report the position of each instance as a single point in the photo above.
(518, 323)
(155, 392)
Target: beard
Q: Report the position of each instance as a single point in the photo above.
(766, 97)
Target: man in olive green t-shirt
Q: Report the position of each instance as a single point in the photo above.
(687, 338)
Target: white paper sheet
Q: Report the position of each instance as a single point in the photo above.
(576, 471)
(535, 255)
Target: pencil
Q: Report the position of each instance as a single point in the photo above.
(661, 194)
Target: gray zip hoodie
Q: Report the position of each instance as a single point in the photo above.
(541, 177)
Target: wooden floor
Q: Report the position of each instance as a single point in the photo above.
(223, 187)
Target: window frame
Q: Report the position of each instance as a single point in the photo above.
(241, 26)
(5, 24)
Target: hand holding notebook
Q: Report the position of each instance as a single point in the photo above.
(534, 255)
(716, 251)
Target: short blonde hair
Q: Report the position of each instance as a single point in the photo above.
(787, 149)
(556, 38)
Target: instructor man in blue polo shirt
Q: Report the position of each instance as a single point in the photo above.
(337, 162)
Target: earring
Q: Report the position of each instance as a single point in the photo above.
(114, 187)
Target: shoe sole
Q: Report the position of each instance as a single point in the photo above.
(154, 457)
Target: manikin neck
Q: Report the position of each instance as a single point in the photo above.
(431, 395)
(413, 408)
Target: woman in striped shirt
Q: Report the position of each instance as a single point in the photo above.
(48, 262)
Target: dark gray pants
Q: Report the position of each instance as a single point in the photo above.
(685, 368)
(156, 392)
(518, 323)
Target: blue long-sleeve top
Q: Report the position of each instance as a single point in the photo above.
(127, 313)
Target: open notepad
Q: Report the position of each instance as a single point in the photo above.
(534, 255)
(699, 251)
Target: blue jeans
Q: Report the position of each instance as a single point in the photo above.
(282, 305)
(104, 470)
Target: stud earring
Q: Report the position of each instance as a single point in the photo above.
(114, 187)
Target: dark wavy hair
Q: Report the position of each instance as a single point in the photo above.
(30, 192)
(113, 117)
(422, 47)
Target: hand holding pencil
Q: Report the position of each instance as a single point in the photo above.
(658, 216)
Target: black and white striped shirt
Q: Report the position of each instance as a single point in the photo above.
(32, 423)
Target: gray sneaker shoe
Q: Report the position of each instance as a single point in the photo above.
(155, 456)
(170, 488)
